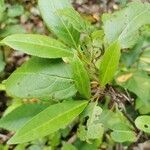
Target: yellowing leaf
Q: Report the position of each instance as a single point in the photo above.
(124, 78)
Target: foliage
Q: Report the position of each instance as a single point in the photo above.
(87, 87)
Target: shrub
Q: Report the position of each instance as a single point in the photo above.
(75, 79)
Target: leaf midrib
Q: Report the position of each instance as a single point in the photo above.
(50, 75)
(32, 43)
(141, 13)
(52, 4)
(60, 115)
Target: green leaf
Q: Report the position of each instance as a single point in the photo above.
(114, 120)
(144, 60)
(67, 146)
(4, 147)
(130, 57)
(2, 9)
(37, 45)
(124, 25)
(142, 107)
(109, 63)
(122, 133)
(74, 18)
(15, 103)
(81, 77)
(123, 136)
(42, 78)
(2, 5)
(138, 83)
(49, 121)
(59, 25)
(2, 87)
(143, 123)
(82, 133)
(93, 129)
(20, 116)
(94, 113)
(21, 147)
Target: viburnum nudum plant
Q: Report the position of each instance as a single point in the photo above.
(76, 80)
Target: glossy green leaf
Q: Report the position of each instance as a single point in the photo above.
(81, 77)
(49, 121)
(55, 22)
(15, 103)
(37, 45)
(42, 78)
(87, 146)
(74, 18)
(123, 136)
(109, 63)
(124, 25)
(143, 123)
(20, 116)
